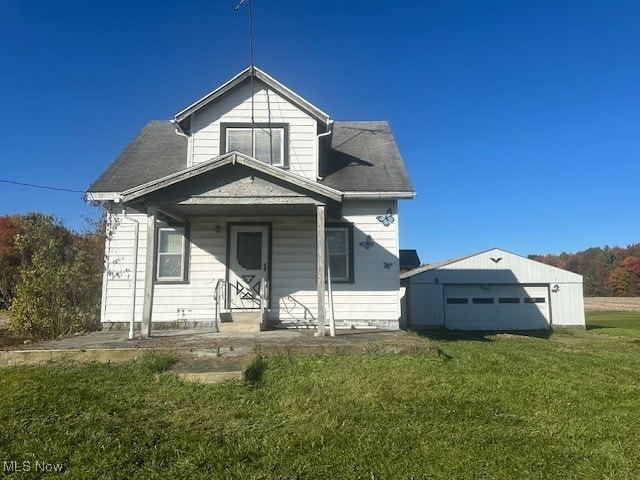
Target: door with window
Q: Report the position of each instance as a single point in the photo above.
(248, 265)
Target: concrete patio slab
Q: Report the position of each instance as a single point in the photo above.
(114, 346)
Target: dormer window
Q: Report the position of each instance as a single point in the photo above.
(267, 142)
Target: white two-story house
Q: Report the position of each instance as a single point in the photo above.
(253, 199)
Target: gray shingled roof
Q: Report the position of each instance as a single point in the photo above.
(363, 158)
(409, 259)
(157, 151)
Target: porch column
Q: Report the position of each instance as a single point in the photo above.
(145, 331)
(320, 266)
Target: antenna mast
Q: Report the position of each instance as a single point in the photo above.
(251, 61)
(250, 34)
(251, 64)
(236, 8)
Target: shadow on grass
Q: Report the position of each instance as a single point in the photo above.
(479, 335)
(255, 368)
(595, 327)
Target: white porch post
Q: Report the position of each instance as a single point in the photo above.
(320, 266)
(145, 331)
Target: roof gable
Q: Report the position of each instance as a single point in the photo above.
(237, 184)
(182, 118)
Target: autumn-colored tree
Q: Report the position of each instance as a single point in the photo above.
(57, 290)
(9, 259)
(597, 266)
(625, 278)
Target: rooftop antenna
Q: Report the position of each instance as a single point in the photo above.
(251, 65)
(236, 8)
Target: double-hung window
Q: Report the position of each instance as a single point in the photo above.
(172, 254)
(266, 142)
(339, 239)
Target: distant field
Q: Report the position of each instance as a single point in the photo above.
(612, 304)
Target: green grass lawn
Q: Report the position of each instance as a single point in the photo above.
(490, 406)
(615, 323)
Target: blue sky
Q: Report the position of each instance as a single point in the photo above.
(519, 121)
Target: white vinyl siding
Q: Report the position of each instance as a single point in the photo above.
(373, 297)
(268, 107)
(118, 278)
(374, 294)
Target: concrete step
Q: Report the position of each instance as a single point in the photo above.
(211, 377)
(236, 322)
(207, 368)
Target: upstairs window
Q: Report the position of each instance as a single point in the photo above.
(267, 142)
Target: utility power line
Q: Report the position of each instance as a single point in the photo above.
(47, 187)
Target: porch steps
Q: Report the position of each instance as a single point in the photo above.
(240, 322)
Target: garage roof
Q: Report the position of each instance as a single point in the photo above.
(503, 265)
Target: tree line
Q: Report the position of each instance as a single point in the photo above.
(50, 276)
(607, 271)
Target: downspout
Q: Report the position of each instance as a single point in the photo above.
(178, 130)
(135, 270)
(328, 132)
(332, 318)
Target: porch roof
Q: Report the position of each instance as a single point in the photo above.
(234, 181)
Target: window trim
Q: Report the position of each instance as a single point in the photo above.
(532, 300)
(350, 278)
(483, 301)
(457, 301)
(186, 243)
(509, 300)
(260, 125)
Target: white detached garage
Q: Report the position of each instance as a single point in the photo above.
(492, 290)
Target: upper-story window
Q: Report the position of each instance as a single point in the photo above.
(267, 142)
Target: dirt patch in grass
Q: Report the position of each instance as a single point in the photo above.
(612, 304)
(9, 340)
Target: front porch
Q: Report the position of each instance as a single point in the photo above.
(232, 237)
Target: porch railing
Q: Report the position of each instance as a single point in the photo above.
(224, 293)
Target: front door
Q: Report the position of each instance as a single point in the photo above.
(248, 264)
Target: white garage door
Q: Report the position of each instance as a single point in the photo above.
(496, 307)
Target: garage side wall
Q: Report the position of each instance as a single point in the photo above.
(567, 305)
(425, 304)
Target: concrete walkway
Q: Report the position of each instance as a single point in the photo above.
(215, 351)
